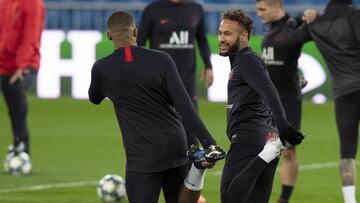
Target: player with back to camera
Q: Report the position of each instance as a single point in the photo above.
(151, 105)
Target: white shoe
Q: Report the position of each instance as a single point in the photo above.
(19, 148)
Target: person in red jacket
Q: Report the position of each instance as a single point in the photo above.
(21, 25)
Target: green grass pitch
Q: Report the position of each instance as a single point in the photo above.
(75, 143)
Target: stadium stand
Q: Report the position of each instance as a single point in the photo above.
(92, 14)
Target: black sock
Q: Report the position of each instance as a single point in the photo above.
(286, 191)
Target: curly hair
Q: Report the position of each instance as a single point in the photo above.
(241, 18)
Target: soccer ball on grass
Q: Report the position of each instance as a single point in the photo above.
(17, 163)
(111, 188)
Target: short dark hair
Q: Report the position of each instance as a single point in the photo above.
(241, 18)
(121, 21)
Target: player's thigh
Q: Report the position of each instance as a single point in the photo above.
(263, 186)
(347, 113)
(238, 158)
(292, 107)
(173, 179)
(29, 78)
(143, 187)
(15, 96)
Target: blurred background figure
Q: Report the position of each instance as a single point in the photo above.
(336, 33)
(282, 64)
(21, 25)
(173, 26)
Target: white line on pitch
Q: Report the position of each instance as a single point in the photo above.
(86, 183)
(48, 186)
(301, 167)
(318, 166)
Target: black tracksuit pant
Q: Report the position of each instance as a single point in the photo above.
(17, 105)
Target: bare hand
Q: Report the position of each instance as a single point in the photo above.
(18, 75)
(208, 76)
(309, 16)
(208, 165)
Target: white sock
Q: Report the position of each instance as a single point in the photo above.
(195, 179)
(269, 153)
(349, 194)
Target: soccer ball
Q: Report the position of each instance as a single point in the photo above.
(17, 163)
(111, 188)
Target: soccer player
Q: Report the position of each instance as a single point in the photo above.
(21, 25)
(173, 26)
(336, 33)
(151, 105)
(282, 65)
(254, 108)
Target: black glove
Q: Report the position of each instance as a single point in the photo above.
(291, 137)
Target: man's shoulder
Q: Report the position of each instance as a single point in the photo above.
(249, 54)
(106, 60)
(141, 54)
(100, 62)
(354, 13)
(249, 57)
(194, 5)
(352, 9)
(155, 4)
(153, 53)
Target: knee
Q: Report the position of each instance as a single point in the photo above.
(289, 155)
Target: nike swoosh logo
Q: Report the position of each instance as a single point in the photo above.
(163, 21)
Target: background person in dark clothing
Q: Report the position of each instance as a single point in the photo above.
(21, 25)
(336, 33)
(282, 65)
(151, 105)
(254, 107)
(173, 26)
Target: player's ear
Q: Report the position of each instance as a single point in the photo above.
(244, 37)
(108, 34)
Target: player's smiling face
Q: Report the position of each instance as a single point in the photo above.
(229, 37)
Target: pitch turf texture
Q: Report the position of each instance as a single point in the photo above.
(75, 143)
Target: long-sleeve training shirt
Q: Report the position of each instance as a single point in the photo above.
(151, 104)
(253, 101)
(173, 28)
(336, 33)
(21, 25)
(280, 58)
